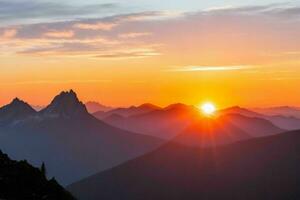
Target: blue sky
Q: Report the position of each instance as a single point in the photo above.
(34, 11)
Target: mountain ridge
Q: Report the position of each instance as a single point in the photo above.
(260, 168)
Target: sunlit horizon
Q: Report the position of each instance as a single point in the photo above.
(185, 52)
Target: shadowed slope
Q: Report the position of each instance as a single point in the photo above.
(211, 132)
(19, 180)
(262, 168)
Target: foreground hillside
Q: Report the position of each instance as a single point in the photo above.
(261, 168)
(19, 180)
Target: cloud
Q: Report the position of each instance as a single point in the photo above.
(150, 15)
(278, 10)
(128, 54)
(105, 26)
(32, 11)
(65, 46)
(134, 35)
(8, 33)
(59, 34)
(228, 35)
(207, 68)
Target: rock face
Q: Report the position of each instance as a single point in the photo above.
(19, 180)
(66, 105)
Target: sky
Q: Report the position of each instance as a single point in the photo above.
(128, 52)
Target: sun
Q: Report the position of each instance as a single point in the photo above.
(208, 108)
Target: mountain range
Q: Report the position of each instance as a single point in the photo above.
(71, 142)
(260, 168)
(286, 111)
(281, 121)
(75, 144)
(93, 106)
(170, 121)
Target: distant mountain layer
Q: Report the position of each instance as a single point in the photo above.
(281, 121)
(127, 112)
(286, 111)
(19, 180)
(71, 142)
(168, 122)
(93, 107)
(261, 168)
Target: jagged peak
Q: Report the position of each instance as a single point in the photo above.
(16, 110)
(16, 102)
(65, 104)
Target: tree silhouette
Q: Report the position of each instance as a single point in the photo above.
(43, 169)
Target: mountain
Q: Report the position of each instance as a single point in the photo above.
(15, 111)
(127, 112)
(261, 168)
(164, 123)
(19, 180)
(281, 121)
(93, 107)
(65, 105)
(288, 123)
(254, 126)
(37, 107)
(172, 120)
(241, 111)
(209, 132)
(71, 142)
(286, 111)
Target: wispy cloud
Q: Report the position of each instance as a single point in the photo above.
(59, 34)
(34, 11)
(8, 33)
(207, 68)
(241, 34)
(134, 35)
(105, 26)
(128, 54)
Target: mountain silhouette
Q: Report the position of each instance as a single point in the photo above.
(19, 180)
(254, 126)
(15, 111)
(170, 121)
(127, 112)
(281, 121)
(93, 107)
(65, 105)
(260, 168)
(73, 143)
(287, 111)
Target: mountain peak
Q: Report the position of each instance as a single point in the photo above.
(16, 110)
(66, 104)
(149, 106)
(17, 100)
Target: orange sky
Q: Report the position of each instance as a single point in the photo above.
(246, 56)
